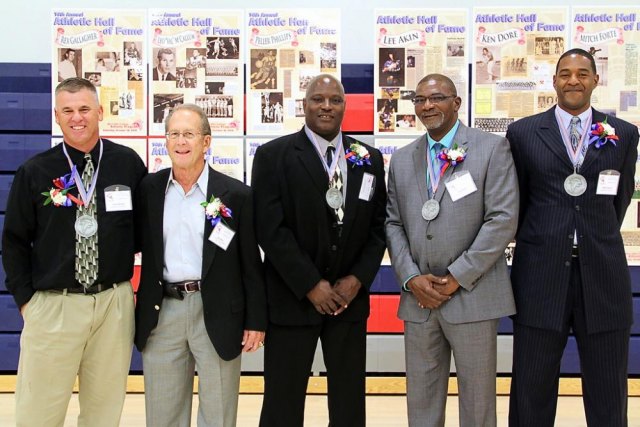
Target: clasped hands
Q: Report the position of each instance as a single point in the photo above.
(334, 299)
(432, 291)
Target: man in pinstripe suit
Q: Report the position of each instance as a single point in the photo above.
(569, 270)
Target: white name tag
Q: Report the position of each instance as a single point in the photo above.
(367, 187)
(608, 182)
(461, 184)
(221, 235)
(117, 198)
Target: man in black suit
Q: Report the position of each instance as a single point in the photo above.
(321, 225)
(201, 300)
(166, 64)
(569, 268)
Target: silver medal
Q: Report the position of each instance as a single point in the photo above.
(334, 198)
(430, 209)
(575, 184)
(86, 226)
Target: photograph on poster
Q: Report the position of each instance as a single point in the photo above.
(264, 73)
(389, 92)
(491, 124)
(223, 48)
(455, 47)
(126, 103)
(271, 107)
(214, 88)
(215, 69)
(186, 77)
(391, 62)
(385, 122)
(304, 77)
(132, 53)
(195, 59)
(107, 61)
(163, 103)
(113, 108)
(299, 106)
(306, 57)
(488, 65)
(94, 78)
(407, 95)
(546, 100)
(549, 46)
(134, 74)
(328, 57)
(216, 106)
(164, 68)
(405, 121)
(70, 63)
(514, 66)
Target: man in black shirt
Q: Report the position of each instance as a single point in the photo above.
(68, 247)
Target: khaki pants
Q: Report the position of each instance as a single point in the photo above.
(68, 335)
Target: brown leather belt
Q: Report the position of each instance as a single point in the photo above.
(178, 289)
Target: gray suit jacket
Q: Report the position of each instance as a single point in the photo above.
(467, 238)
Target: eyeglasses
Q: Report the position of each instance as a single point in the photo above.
(188, 135)
(433, 100)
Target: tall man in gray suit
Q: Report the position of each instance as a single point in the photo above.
(452, 210)
(569, 268)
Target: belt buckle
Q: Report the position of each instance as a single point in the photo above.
(189, 291)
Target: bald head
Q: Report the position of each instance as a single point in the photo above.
(325, 79)
(444, 81)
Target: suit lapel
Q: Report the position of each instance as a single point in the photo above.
(592, 153)
(550, 135)
(156, 217)
(310, 161)
(215, 188)
(420, 167)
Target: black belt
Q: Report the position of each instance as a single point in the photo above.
(178, 289)
(574, 252)
(95, 289)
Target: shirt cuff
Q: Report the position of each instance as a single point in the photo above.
(404, 285)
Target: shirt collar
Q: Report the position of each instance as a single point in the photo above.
(447, 139)
(566, 117)
(77, 156)
(322, 143)
(202, 182)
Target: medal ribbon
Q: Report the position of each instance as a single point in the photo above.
(85, 194)
(331, 170)
(433, 180)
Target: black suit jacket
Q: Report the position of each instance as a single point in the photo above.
(233, 293)
(170, 77)
(549, 216)
(298, 232)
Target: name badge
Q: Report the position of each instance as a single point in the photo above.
(117, 198)
(221, 236)
(608, 182)
(460, 185)
(367, 187)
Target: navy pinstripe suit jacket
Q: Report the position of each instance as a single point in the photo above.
(548, 217)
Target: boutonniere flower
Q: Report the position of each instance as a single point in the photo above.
(451, 157)
(58, 194)
(357, 154)
(215, 210)
(601, 133)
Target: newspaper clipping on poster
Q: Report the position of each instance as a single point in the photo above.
(514, 56)
(287, 48)
(105, 47)
(195, 58)
(225, 155)
(411, 43)
(612, 36)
